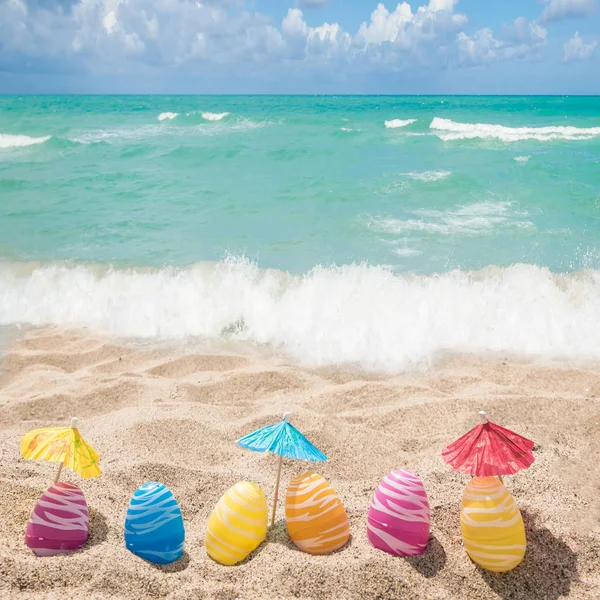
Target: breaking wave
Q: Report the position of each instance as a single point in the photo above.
(396, 123)
(353, 314)
(167, 116)
(208, 116)
(20, 141)
(448, 130)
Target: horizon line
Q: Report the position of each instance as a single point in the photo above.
(283, 94)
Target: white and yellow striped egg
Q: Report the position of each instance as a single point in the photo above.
(492, 527)
(238, 524)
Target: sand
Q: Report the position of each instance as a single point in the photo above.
(173, 414)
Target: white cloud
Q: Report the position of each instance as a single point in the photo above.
(523, 40)
(576, 49)
(293, 24)
(404, 28)
(557, 10)
(120, 36)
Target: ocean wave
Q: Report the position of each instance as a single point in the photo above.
(208, 116)
(396, 123)
(428, 176)
(8, 140)
(407, 252)
(128, 135)
(480, 218)
(448, 130)
(167, 116)
(522, 159)
(353, 314)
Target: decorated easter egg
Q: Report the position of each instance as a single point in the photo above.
(154, 525)
(492, 527)
(238, 524)
(315, 516)
(59, 522)
(398, 520)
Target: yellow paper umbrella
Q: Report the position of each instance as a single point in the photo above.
(63, 445)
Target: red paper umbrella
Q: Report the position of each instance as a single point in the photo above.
(489, 450)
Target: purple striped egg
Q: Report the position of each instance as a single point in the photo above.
(59, 522)
(398, 520)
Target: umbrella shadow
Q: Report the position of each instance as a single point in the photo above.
(179, 565)
(98, 528)
(278, 534)
(432, 561)
(547, 571)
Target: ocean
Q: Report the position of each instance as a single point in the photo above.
(379, 231)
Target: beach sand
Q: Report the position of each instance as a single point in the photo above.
(173, 414)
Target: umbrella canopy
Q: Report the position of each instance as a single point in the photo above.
(489, 450)
(282, 439)
(63, 445)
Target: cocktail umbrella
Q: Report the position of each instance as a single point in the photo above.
(63, 445)
(283, 439)
(489, 450)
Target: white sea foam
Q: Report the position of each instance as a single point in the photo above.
(20, 141)
(428, 176)
(142, 132)
(346, 129)
(208, 116)
(396, 123)
(448, 130)
(480, 218)
(357, 314)
(167, 116)
(407, 252)
(522, 159)
(116, 136)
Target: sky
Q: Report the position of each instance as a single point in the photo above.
(300, 46)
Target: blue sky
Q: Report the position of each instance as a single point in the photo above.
(300, 46)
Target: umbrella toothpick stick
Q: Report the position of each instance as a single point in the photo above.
(276, 491)
(484, 420)
(284, 440)
(60, 466)
(74, 422)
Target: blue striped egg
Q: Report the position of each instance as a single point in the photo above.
(154, 525)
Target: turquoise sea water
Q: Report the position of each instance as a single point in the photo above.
(377, 230)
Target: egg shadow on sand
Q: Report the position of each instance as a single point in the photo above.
(181, 564)
(98, 528)
(546, 573)
(262, 546)
(279, 535)
(432, 561)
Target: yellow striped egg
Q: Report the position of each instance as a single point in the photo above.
(492, 526)
(315, 516)
(238, 524)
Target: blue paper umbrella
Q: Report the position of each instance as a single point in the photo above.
(282, 439)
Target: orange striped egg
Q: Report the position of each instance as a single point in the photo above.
(315, 516)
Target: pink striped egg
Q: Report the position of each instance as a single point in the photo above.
(398, 520)
(59, 522)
